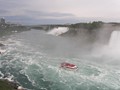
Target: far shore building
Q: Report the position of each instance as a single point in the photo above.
(2, 21)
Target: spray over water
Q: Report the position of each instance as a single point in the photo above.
(29, 58)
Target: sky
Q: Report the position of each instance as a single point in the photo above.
(59, 11)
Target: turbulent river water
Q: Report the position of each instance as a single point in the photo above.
(33, 58)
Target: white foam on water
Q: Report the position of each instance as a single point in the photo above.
(1, 75)
(9, 78)
(35, 64)
(2, 51)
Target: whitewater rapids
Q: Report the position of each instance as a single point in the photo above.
(34, 57)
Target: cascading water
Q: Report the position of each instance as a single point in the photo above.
(111, 50)
(58, 31)
(114, 43)
(32, 58)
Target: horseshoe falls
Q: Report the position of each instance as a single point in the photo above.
(33, 59)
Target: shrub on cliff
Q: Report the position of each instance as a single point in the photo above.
(88, 26)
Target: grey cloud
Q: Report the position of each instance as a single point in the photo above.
(32, 20)
(50, 14)
(50, 11)
(3, 11)
(11, 4)
(20, 19)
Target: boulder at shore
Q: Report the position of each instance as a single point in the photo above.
(7, 85)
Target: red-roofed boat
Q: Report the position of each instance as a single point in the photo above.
(69, 66)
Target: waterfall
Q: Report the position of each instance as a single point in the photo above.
(58, 31)
(114, 43)
(113, 47)
(115, 40)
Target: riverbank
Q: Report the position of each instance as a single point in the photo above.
(7, 85)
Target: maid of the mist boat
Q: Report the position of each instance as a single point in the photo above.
(68, 66)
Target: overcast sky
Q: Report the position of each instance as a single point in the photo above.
(59, 11)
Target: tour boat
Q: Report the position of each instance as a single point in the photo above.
(68, 66)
